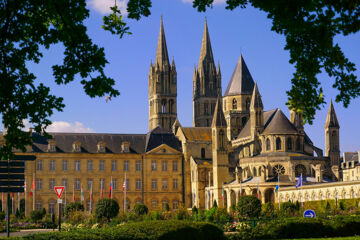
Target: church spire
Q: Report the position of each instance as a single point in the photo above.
(218, 118)
(162, 58)
(206, 51)
(331, 119)
(256, 102)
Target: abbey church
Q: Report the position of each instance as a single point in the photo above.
(235, 147)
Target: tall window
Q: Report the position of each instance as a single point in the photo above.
(171, 106)
(65, 183)
(278, 143)
(175, 204)
(65, 165)
(114, 183)
(234, 104)
(77, 184)
(126, 165)
(153, 184)
(89, 183)
(39, 184)
(113, 165)
(243, 121)
(51, 183)
(289, 143)
(175, 166)
(102, 165)
(202, 152)
(298, 144)
(138, 184)
(254, 172)
(90, 165)
(164, 166)
(165, 184)
(153, 165)
(206, 108)
(38, 205)
(175, 184)
(268, 145)
(77, 165)
(221, 136)
(52, 207)
(127, 184)
(39, 165)
(138, 165)
(52, 165)
(163, 106)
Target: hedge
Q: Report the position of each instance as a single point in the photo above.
(289, 228)
(150, 230)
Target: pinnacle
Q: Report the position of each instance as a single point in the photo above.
(162, 57)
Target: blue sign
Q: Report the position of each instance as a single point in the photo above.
(309, 213)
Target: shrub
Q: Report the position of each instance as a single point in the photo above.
(221, 216)
(140, 209)
(107, 208)
(72, 207)
(181, 213)
(194, 210)
(288, 207)
(342, 205)
(43, 212)
(77, 217)
(36, 215)
(249, 207)
(268, 209)
(215, 204)
(2, 216)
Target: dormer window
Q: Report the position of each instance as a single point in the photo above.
(76, 146)
(125, 146)
(52, 146)
(101, 147)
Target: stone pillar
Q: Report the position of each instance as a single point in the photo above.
(318, 173)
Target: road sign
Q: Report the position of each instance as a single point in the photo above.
(309, 213)
(59, 190)
(59, 200)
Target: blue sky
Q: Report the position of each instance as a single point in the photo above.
(245, 31)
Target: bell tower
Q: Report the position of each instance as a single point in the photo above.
(162, 87)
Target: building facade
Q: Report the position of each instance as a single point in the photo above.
(234, 147)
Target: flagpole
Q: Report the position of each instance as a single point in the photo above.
(25, 198)
(19, 201)
(125, 193)
(279, 192)
(34, 192)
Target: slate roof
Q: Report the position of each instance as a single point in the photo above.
(159, 136)
(197, 133)
(64, 142)
(351, 156)
(279, 124)
(241, 81)
(331, 119)
(206, 161)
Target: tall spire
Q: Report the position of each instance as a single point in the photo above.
(218, 118)
(331, 119)
(206, 51)
(162, 57)
(256, 101)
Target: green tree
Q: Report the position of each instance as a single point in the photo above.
(36, 215)
(107, 208)
(72, 207)
(26, 28)
(249, 207)
(140, 209)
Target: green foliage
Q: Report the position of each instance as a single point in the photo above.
(2, 216)
(194, 210)
(181, 213)
(249, 207)
(166, 230)
(342, 205)
(72, 207)
(136, 8)
(215, 204)
(17, 213)
(28, 27)
(107, 208)
(43, 211)
(297, 205)
(268, 209)
(114, 23)
(36, 215)
(288, 207)
(140, 209)
(167, 207)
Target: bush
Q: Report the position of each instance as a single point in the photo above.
(249, 207)
(107, 208)
(181, 213)
(165, 230)
(268, 209)
(288, 208)
(77, 217)
(2, 216)
(140, 209)
(36, 215)
(72, 207)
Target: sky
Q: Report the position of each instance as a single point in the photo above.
(242, 31)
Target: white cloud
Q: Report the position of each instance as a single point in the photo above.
(103, 6)
(62, 126)
(215, 1)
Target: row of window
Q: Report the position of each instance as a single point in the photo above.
(90, 182)
(114, 165)
(289, 144)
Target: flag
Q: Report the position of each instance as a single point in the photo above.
(257, 191)
(110, 188)
(124, 185)
(222, 193)
(74, 193)
(82, 194)
(32, 187)
(101, 189)
(299, 182)
(277, 186)
(91, 193)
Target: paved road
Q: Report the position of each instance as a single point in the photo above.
(25, 232)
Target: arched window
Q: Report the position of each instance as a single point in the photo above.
(234, 104)
(300, 169)
(278, 143)
(268, 145)
(298, 144)
(202, 152)
(171, 106)
(243, 121)
(163, 106)
(247, 102)
(254, 172)
(289, 143)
